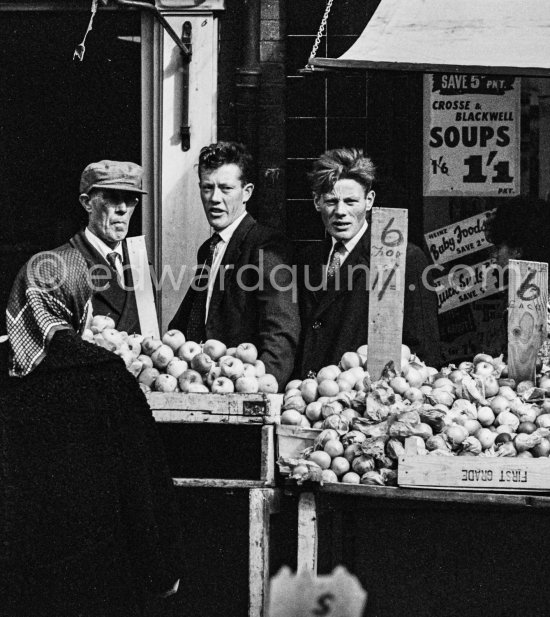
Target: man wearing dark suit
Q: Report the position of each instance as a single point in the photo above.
(334, 309)
(243, 289)
(109, 192)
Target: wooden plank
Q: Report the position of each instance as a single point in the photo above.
(258, 557)
(217, 483)
(174, 416)
(387, 288)
(143, 287)
(475, 473)
(265, 408)
(434, 496)
(268, 456)
(527, 316)
(307, 533)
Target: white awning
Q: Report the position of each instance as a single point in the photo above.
(464, 36)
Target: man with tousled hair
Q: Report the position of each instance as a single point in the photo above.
(334, 288)
(242, 291)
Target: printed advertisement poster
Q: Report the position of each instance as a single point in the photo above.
(464, 284)
(471, 135)
(473, 328)
(458, 239)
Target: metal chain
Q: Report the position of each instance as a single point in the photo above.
(310, 67)
(81, 47)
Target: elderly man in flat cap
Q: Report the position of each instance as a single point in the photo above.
(110, 192)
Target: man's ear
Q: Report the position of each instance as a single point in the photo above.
(248, 189)
(370, 200)
(84, 200)
(317, 201)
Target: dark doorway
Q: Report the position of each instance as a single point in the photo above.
(56, 116)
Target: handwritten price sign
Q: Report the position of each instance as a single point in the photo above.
(387, 287)
(527, 316)
(304, 595)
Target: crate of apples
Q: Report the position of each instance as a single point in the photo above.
(473, 409)
(173, 364)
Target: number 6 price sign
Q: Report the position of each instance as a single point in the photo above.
(527, 316)
(305, 595)
(387, 288)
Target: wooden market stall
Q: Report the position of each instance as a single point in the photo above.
(221, 453)
(450, 551)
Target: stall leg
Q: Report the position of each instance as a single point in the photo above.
(268, 456)
(307, 533)
(262, 503)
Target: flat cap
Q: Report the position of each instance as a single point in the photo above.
(116, 175)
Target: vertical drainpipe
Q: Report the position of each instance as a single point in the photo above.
(248, 79)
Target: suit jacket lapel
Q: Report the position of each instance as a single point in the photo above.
(117, 297)
(355, 264)
(231, 257)
(79, 242)
(314, 276)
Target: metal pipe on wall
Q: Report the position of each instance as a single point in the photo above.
(248, 79)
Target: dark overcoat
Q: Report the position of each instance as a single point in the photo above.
(336, 320)
(89, 520)
(254, 298)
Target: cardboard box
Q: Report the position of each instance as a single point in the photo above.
(293, 440)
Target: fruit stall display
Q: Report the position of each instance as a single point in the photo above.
(470, 410)
(172, 364)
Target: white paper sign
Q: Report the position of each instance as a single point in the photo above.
(304, 595)
(471, 135)
(464, 284)
(458, 239)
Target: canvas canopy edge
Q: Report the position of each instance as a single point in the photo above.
(498, 37)
(340, 64)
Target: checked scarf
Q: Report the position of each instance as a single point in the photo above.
(51, 292)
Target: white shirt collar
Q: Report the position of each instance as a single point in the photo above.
(225, 234)
(101, 247)
(350, 244)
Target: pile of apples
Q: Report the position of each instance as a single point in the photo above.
(473, 409)
(172, 364)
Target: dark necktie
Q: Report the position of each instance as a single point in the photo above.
(335, 261)
(113, 258)
(197, 315)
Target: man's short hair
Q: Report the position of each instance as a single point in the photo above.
(340, 164)
(226, 153)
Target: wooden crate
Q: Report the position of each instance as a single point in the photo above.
(474, 473)
(245, 417)
(228, 408)
(471, 473)
(293, 440)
